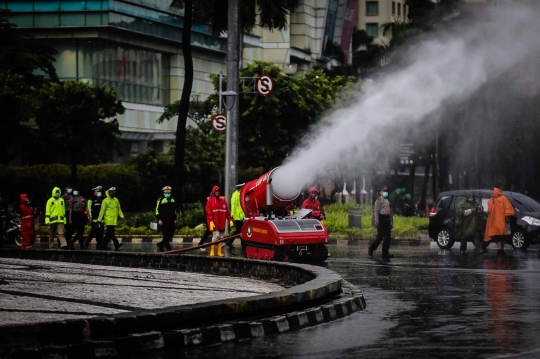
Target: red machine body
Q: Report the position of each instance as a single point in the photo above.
(271, 232)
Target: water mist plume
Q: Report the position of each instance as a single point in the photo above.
(446, 65)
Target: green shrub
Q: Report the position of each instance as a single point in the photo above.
(141, 220)
(337, 222)
(192, 215)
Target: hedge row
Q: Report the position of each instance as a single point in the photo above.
(39, 180)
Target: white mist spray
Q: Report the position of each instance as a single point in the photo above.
(443, 67)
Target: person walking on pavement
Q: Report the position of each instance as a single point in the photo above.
(93, 209)
(217, 212)
(68, 228)
(237, 215)
(109, 213)
(498, 227)
(55, 218)
(207, 232)
(467, 221)
(384, 222)
(77, 217)
(166, 217)
(28, 214)
(313, 203)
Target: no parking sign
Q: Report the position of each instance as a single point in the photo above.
(219, 122)
(265, 85)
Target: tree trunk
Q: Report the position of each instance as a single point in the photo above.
(435, 179)
(180, 149)
(425, 186)
(412, 177)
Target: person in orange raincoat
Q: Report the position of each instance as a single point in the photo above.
(499, 207)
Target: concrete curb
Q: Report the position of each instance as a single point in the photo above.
(395, 243)
(126, 239)
(176, 340)
(153, 329)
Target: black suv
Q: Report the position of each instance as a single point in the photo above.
(525, 231)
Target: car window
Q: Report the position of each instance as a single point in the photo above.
(458, 199)
(525, 204)
(444, 202)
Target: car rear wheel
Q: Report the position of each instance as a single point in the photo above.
(519, 240)
(445, 239)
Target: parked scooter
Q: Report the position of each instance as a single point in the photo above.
(13, 229)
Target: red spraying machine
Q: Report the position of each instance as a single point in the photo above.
(271, 232)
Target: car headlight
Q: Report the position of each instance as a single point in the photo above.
(531, 220)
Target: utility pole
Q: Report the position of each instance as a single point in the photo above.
(233, 56)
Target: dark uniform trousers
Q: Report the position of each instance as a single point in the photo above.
(383, 234)
(167, 229)
(97, 233)
(79, 222)
(237, 230)
(110, 235)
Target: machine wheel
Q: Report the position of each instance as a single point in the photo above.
(322, 253)
(16, 237)
(445, 239)
(519, 240)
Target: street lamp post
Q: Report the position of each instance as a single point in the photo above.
(229, 99)
(233, 72)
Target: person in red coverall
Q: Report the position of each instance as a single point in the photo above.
(313, 203)
(217, 213)
(28, 230)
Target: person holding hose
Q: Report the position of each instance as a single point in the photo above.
(237, 214)
(217, 213)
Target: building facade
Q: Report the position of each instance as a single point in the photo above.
(134, 46)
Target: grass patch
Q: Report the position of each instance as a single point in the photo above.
(337, 222)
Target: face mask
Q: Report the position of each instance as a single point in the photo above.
(99, 194)
(69, 190)
(385, 194)
(76, 193)
(27, 201)
(167, 195)
(56, 195)
(469, 199)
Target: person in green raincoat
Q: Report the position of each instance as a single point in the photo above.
(468, 218)
(109, 214)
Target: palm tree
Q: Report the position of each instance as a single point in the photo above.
(273, 14)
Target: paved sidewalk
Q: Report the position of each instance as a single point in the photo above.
(38, 291)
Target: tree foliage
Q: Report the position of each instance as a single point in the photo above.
(25, 64)
(24, 56)
(272, 14)
(271, 126)
(78, 121)
(17, 99)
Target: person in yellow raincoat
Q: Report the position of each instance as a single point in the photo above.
(497, 225)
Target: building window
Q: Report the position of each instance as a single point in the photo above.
(393, 7)
(137, 75)
(372, 29)
(372, 8)
(399, 9)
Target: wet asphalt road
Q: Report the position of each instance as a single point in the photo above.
(425, 303)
